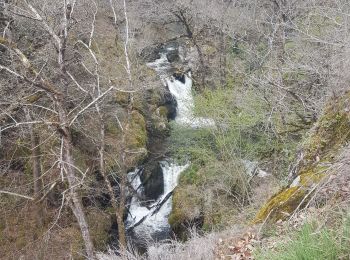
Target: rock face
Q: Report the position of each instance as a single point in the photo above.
(153, 182)
(319, 151)
(152, 53)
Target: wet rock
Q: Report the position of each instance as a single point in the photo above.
(171, 105)
(153, 181)
(153, 52)
(150, 53)
(173, 56)
(180, 77)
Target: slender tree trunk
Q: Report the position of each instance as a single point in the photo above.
(123, 178)
(119, 209)
(68, 164)
(35, 140)
(63, 130)
(36, 167)
(190, 35)
(223, 60)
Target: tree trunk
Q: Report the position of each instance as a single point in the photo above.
(35, 140)
(63, 129)
(190, 35)
(36, 167)
(68, 165)
(223, 60)
(119, 210)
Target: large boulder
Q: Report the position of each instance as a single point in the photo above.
(318, 153)
(153, 181)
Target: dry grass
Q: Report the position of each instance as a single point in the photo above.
(196, 248)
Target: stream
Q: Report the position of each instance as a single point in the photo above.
(147, 221)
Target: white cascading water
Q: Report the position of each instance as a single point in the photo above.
(185, 103)
(151, 221)
(154, 217)
(182, 93)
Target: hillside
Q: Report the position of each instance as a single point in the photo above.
(199, 129)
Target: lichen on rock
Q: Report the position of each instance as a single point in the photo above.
(321, 146)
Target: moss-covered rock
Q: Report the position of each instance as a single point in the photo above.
(187, 208)
(160, 120)
(136, 138)
(206, 196)
(136, 135)
(330, 134)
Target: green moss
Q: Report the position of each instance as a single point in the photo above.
(281, 204)
(190, 176)
(112, 127)
(330, 134)
(163, 111)
(154, 96)
(186, 206)
(122, 98)
(136, 136)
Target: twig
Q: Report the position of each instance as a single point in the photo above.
(16, 194)
(90, 104)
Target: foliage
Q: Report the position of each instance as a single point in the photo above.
(243, 128)
(313, 242)
(320, 149)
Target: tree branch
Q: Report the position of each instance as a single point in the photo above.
(16, 194)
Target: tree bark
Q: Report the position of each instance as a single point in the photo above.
(180, 15)
(63, 130)
(119, 209)
(36, 167)
(68, 164)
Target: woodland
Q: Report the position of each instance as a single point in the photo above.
(183, 129)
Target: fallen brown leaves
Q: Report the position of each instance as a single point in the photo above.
(236, 248)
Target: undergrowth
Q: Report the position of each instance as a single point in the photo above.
(313, 241)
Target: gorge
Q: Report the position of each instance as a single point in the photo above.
(166, 130)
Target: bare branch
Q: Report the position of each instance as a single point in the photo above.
(16, 194)
(90, 104)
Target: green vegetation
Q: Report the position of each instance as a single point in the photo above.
(313, 242)
(320, 149)
(216, 156)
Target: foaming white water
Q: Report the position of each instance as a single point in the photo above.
(153, 218)
(185, 103)
(150, 221)
(136, 211)
(182, 93)
(161, 66)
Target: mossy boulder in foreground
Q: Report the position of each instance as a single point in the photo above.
(318, 153)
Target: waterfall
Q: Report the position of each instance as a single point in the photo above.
(149, 220)
(182, 91)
